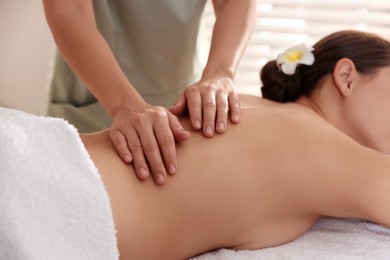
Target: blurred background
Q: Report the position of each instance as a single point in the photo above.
(26, 56)
(27, 49)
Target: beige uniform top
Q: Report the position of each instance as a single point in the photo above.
(157, 46)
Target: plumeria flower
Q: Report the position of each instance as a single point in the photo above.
(289, 60)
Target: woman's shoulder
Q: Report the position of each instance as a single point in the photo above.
(265, 109)
(285, 120)
(253, 101)
(268, 107)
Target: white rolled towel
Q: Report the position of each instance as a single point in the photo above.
(53, 204)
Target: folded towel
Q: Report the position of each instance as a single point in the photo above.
(329, 238)
(53, 204)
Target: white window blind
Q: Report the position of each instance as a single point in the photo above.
(281, 24)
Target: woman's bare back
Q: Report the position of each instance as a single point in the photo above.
(257, 185)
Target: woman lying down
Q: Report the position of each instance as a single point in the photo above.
(319, 150)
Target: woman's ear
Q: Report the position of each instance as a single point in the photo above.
(344, 74)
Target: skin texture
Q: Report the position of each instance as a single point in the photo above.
(265, 181)
(143, 134)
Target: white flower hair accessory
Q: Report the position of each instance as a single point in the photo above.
(289, 59)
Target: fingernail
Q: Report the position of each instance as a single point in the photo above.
(197, 124)
(209, 130)
(159, 178)
(127, 158)
(143, 173)
(236, 118)
(221, 126)
(171, 168)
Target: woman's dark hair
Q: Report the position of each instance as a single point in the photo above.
(368, 52)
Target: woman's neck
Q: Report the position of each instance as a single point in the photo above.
(377, 140)
(311, 105)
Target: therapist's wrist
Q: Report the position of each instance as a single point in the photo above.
(126, 102)
(210, 74)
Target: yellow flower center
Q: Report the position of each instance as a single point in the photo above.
(295, 55)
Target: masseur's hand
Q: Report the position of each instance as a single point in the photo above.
(208, 102)
(145, 135)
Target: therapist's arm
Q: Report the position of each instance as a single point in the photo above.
(139, 131)
(209, 99)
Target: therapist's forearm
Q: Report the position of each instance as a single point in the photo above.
(235, 20)
(89, 55)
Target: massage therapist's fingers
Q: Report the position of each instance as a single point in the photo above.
(194, 103)
(136, 123)
(167, 146)
(135, 147)
(234, 105)
(152, 153)
(179, 133)
(209, 110)
(180, 105)
(129, 149)
(222, 112)
(120, 145)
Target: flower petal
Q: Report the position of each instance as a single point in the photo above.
(281, 59)
(307, 59)
(288, 68)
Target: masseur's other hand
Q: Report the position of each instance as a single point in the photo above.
(145, 135)
(208, 102)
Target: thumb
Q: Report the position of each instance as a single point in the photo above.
(179, 133)
(180, 105)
